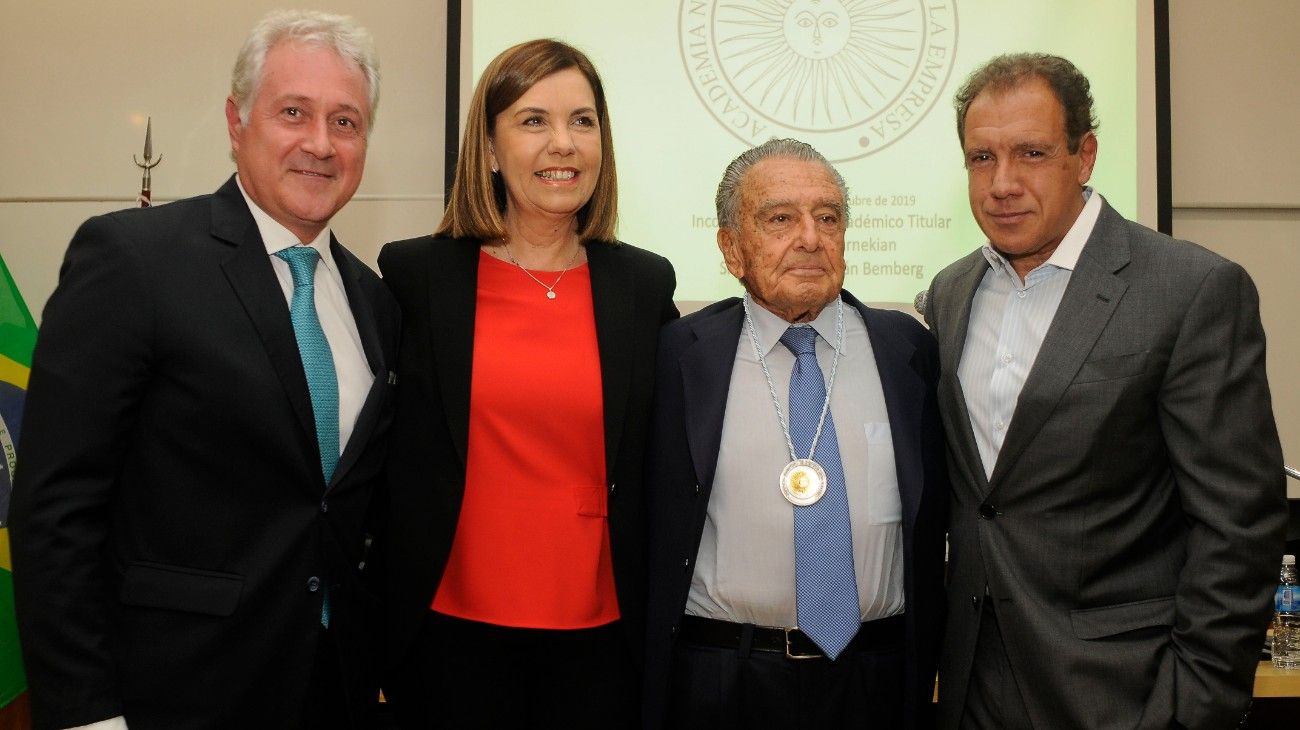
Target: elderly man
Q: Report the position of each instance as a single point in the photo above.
(796, 479)
(1118, 502)
(209, 386)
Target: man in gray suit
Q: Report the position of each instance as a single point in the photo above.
(1118, 500)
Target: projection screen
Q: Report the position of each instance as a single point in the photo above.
(692, 83)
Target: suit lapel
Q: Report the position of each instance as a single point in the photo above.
(1089, 301)
(613, 297)
(706, 377)
(363, 314)
(952, 342)
(904, 390)
(250, 274)
(452, 273)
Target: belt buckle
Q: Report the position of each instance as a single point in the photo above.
(791, 655)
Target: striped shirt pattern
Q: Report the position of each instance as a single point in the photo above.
(1008, 320)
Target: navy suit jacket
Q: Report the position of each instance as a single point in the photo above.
(171, 528)
(696, 356)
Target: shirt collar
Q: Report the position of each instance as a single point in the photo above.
(1066, 255)
(768, 327)
(276, 237)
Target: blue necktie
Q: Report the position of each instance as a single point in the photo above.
(318, 364)
(317, 360)
(825, 586)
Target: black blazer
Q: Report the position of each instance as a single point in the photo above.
(436, 280)
(696, 356)
(171, 531)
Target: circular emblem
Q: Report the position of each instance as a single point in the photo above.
(849, 77)
(803, 482)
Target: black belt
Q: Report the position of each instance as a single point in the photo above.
(885, 633)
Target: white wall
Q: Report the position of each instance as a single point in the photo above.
(80, 78)
(1236, 153)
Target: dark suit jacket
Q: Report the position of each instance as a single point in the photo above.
(170, 525)
(436, 280)
(696, 356)
(1139, 494)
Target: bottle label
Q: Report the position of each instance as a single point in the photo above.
(1287, 598)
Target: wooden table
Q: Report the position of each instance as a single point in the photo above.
(1273, 682)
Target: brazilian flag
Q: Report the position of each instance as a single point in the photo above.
(17, 338)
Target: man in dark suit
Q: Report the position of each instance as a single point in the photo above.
(830, 520)
(1118, 502)
(209, 385)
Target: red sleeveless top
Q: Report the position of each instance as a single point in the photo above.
(532, 544)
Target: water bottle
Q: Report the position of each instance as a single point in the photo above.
(1286, 620)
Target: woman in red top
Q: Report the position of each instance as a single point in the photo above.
(511, 549)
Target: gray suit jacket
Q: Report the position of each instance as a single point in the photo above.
(1133, 523)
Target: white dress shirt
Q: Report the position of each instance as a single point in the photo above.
(350, 364)
(744, 571)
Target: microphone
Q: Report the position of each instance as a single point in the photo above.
(922, 301)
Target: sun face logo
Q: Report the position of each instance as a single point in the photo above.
(816, 33)
(849, 77)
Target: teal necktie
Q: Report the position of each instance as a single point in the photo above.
(314, 349)
(318, 364)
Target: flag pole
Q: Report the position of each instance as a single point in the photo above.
(146, 181)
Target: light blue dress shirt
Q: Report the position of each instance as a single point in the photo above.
(1008, 320)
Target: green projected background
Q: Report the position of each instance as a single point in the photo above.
(869, 83)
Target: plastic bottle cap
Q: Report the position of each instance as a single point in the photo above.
(1288, 560)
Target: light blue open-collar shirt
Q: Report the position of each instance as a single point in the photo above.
(1008, 321)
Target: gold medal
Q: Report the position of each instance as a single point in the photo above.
(803, 482)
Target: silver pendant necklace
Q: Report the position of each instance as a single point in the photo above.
(802, 481)
(550, 290)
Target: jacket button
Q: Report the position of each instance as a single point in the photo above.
(975, 603)
(313, 584)
(686, 563)
(611, 488)
(698, 490)
(324, 506)
(987, 511)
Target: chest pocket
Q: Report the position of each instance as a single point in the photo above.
(1112, 368)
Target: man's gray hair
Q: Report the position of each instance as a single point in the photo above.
(728, 197)
(337, 32)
